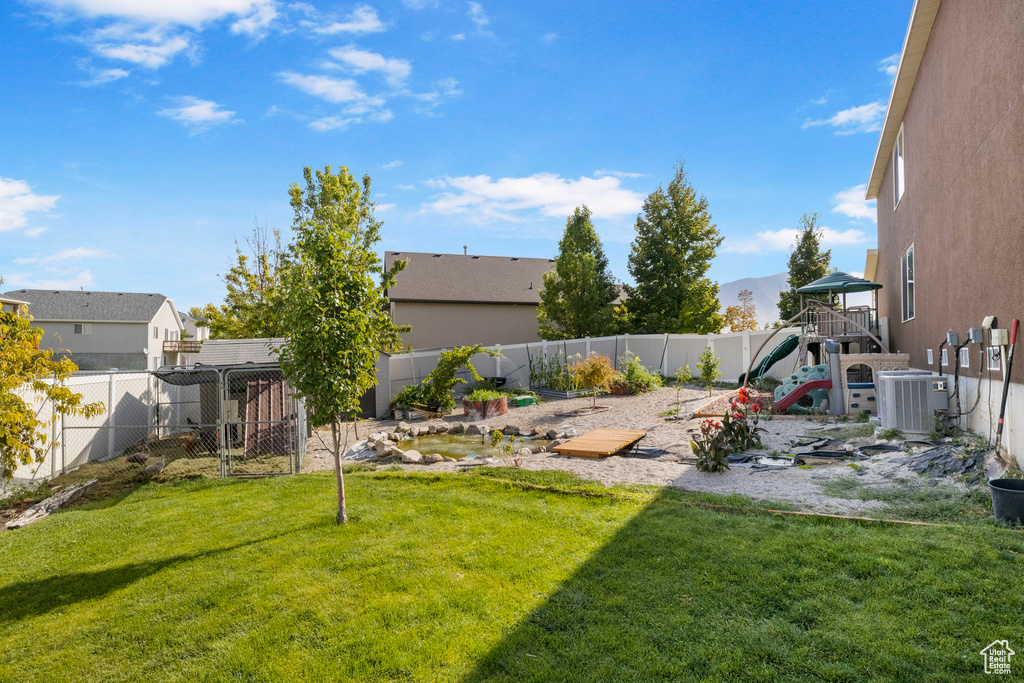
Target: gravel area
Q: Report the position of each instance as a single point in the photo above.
(797, 486)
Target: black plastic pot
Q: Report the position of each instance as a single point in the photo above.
(1008, 499)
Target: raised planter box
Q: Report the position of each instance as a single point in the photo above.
(551, 393)
(479, 410)
(618, 389)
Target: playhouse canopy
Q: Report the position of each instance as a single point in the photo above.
(839, 282)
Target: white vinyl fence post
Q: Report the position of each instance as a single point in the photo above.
(588, 347)
(746, 350)
(110, 416)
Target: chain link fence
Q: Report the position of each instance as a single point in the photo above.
(198, 422)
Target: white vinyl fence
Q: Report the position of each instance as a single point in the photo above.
(136, 404)
(661, 353)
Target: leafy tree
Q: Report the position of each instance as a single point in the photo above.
(595, 372)
(709, 364)
(252, 306)
(577, 297)
(807, 263)
(334, 303)
(26, 368)
(671, 254)
(743, 316)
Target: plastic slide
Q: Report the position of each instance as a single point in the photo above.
(817, 388)
(787, 347)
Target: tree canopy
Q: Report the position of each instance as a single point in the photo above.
(25, 368)
(576, 300)
(742, 316)
(252, 305)
(807, 263)
(334, 303)
(673, 249)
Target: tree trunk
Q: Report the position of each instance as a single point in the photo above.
(339, 475)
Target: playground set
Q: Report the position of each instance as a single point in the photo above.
(840, 350)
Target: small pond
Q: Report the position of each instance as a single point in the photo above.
(460, 446)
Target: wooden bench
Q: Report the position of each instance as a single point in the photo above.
(600, 443)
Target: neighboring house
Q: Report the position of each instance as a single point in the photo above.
(104, 330)
(949, 179)
(9, 304)
(195, 331)
(460, 299)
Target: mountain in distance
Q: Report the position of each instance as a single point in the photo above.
(766, 295)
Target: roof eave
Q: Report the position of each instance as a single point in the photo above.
(922, 18)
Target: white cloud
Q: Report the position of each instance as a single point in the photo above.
(851, 202)
(329, 123)
(363, 19)
(479, 18)
(458, 36)
(65, 255)
(890, 64)
(82, 280)
(406, 187)
(619, 174)
(396, 71)
(785, 239)
(867, 118)
(99, 77)
(150, 49)
(17, 201)
(383, 207)
(549, 37)
(198, 114)
(428, 101)
(419, 4)
(190, 12)
(392, 164)
(327, 88)
(546, 194)
(35, 232)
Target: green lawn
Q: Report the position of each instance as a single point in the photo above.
(456, 577)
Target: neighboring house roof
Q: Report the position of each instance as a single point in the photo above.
(78, 306)
(922, 18)
(461, 278)
(238, 351)
(7, 301)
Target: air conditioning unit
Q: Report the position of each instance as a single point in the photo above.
(909, 399)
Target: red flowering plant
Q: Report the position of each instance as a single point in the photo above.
(740, 424)
(711, 447)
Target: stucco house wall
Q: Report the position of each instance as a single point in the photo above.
(437, 325)
(963, 204)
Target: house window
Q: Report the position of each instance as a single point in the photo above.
(82, 328)
(156, 332)
(931, 357)
(945, 357)
(899, 177)
(965, 358)
(907, 267)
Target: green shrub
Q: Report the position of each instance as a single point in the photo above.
(404, 399)
(481, 394)
(635, 376)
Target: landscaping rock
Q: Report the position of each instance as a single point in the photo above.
(449, 459)
(431, 458)
(415, 430)
(384, 447)
(431, 428)
(551, 445)
(569, 433)
(377, 436)
(477, 429)
(537, 431)
(396, 451)
(442, 428)
(552, 434)
(403, 426)
(525, 452)
(510, 430)
(456, 428)
(412, 456)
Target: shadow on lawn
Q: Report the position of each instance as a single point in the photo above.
(682, 594)
(35, 598)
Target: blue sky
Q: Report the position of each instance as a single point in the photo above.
(140, 139)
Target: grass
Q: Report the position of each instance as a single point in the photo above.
(487, 576)
(921, 499)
